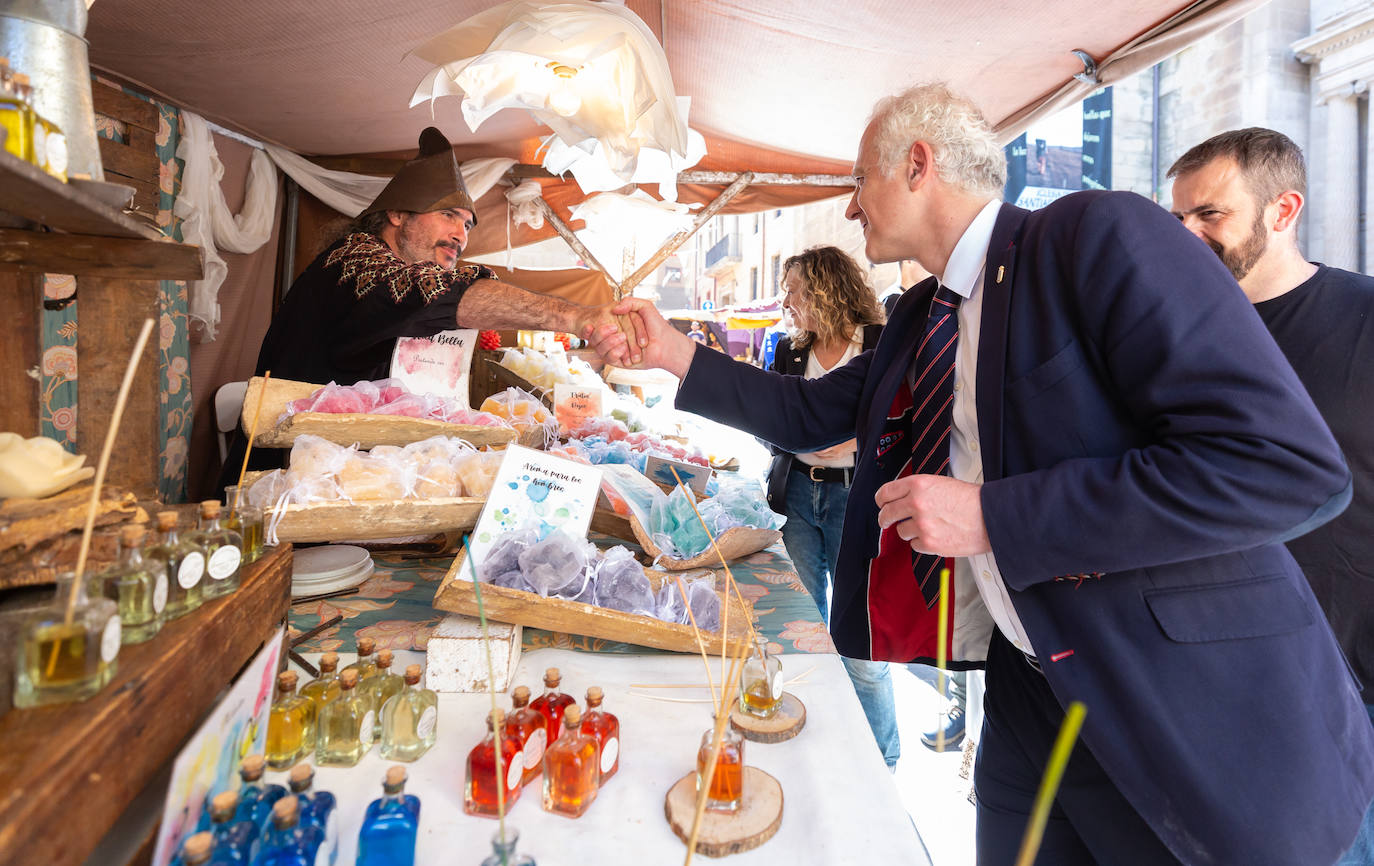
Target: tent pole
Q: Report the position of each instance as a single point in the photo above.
(670, 246)
(577, 246)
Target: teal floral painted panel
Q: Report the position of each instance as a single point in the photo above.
(57, 399)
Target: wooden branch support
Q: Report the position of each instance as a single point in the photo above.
(575, 242)
(761, 178)
(670, 246)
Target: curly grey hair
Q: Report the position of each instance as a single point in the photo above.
(966, 151)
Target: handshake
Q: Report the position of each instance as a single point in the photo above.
(632, 333)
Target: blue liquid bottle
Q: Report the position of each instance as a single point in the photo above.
(391, 825)
(256, 799)
(286, 843)
(317, 808)
(195, 851)
(503, 850)
(236, 841)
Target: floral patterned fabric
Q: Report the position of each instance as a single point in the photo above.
(394, 607)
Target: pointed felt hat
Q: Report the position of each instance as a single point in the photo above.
(431, 181)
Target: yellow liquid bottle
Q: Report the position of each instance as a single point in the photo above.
(290, 724)
(137, 586)
(324, 688)
(15, 117)
(365, 665)
(223, 550)
(345, 727)
(61, 660)
(381, 687)
(410, 720)
(183, 563)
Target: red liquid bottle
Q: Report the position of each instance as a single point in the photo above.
(605, 729)
(480, 791)
(530, 730)
(552, 703)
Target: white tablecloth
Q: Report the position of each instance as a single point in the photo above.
(840, 803)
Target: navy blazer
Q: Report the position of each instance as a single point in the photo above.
(1136, 421)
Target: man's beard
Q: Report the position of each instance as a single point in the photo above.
(1239, 260)
(415, 248)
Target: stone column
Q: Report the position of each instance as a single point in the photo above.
(1340, 208)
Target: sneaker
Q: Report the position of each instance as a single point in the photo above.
(954, 731)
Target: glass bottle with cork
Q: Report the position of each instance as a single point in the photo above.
(365, 664)
(344, 731)
(138, 587)
(235, 840)
(256, 798)
(760, 685)
(223, 551)
(530, 729)
(184, 563)
(325, 687)
(317, 808)
(246, 519)
(286, 842)
(381, 687)
(604, 727)
(572, 765)
(503, 851)
(15, 115)
(390, 825)
(480, 788)
(726, 792)
(552, 704)
(290, 724)
(196, 850)
(410, 720)
(67, 660)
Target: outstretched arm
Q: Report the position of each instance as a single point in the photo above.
(494, 304)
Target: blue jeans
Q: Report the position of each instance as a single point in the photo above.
(815, 520)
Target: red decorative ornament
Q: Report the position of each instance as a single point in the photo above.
(489, 340)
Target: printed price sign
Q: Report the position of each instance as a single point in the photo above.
(537, 490)
(574, 405)
(660, 469)
(436, 365)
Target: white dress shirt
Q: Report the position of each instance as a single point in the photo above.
(964, 276)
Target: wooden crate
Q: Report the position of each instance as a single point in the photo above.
(368, 431)
(385, 518)
(456, 595)
(71, 769)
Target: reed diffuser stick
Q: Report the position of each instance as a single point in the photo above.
(252, 434)
(497, 733)
(1049, 783)
(942, 657)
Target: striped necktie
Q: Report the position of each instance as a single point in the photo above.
(933, 391)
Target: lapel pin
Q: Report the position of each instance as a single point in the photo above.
(1001, 269)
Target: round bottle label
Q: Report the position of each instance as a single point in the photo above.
(534, 748)
(515, 772)
(40, 145)
(224, 561)
(428, 719)
(191, 570)
(109, 640)
(160, 592)
(57, 153)
(365, 729)
(609, 753)
(331, 831)
(777, 686)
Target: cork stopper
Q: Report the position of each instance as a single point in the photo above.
(496, 718)
(552, 677)
(594, 696)
(384, 659)
(329, 662)
(520, 697)
(21, 78)
(286, 811)
(571, 717)
(412, 674)
(197, 847)
(209, 509)
(302, 772)
(365, 646)
(348, 679)
(132, 535)
(286, 681)
(225, 803)
(252, 766)
(166, 520)
(395, 775)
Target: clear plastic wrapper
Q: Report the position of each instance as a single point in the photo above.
(504, 555)
(622, 585)
(365, 477)
(705, 603)
(556, 566)
(477, 471)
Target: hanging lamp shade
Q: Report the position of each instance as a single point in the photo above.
(592, 72)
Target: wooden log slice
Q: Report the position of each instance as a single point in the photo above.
(785, 724)
(724, 833)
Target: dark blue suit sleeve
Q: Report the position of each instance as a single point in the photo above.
(794, 413)
(1215, 446)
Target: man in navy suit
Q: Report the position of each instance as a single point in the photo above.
(1082, 409)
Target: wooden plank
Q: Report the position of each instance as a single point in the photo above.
(25, 522)
(147, 196)
(671, 244)
(128, 160)
(384, 518)
(114, 102)
(368, 431)
(456, 595)
(20, 334)
(111, 314)
(29, 192)
(90, 255)
(102, 752)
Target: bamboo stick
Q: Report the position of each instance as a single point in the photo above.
(252, 434)
(942, 658)
(497, 735)
(1049, 783)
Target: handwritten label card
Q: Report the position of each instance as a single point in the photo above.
(436, 365)
(574, 405)
(660, 469)
(539, 490)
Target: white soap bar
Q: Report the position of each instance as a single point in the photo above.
(37, 467)
(456, 660)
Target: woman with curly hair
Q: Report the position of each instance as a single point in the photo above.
(834, 316)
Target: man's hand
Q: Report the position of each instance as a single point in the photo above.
(618, 339)
(834, 452)
(654, 342)
(936, 514)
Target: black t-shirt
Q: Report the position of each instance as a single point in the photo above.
(1326, 329)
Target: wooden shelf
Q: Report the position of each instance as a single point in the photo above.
(69, 770)
(92, 256)
(29, 192)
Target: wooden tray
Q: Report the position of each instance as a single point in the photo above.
(505, 378)
(734, 543)
(385, 518)
(368, 431)
(456, 595)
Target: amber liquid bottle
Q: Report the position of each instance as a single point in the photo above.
(727, 783)
(381, 687)
(605, 729)
(325, 687)
(480, 789)
(290, 724)
(572, 768)
(552, 703)
(530, 729)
